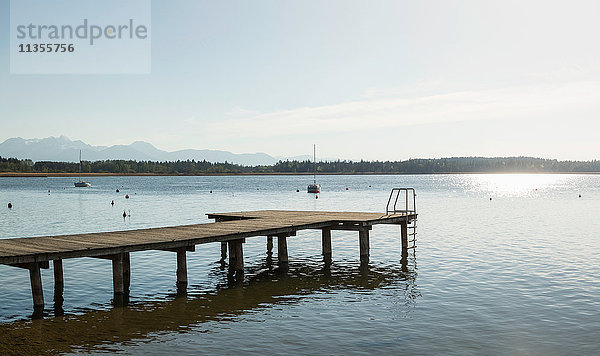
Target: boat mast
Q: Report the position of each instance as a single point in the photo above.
(315, 163)
(80, 165)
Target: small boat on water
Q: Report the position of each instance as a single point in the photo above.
(314, 187)
(81, 184)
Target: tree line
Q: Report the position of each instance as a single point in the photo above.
(410, 166)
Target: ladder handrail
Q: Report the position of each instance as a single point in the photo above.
(406, 191)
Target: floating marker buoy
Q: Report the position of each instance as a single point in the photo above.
(9, 205)
(211, 191)
(580, 195)
(316, 197)
(490, 198)
(346, 188)
(369, 186)
(297, 190)
(112, 202)
(127, 197)
(117, 190)
(124, 214)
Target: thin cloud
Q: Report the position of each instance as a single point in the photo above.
(390, 112)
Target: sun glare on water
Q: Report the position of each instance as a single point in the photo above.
(515, 184)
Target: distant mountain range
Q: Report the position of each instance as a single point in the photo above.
(62, 149)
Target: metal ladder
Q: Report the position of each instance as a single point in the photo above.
(404, 201)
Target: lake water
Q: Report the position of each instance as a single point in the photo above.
(518, 274)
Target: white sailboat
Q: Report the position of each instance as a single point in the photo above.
(81, 184)
(314, 187)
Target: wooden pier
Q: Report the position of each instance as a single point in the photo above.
(230, 229)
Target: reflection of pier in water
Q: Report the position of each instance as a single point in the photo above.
(266, 285)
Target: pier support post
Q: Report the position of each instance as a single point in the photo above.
(117, 266)
(59, 285)
(231, 247)
(404, 236)
(239, 255)
(282, 251)
(182, 268)
(363, 237)
(126, 272)
(236, 258)
(326, 243)
(59, 282)
(223, 251)
(35, 276)
(269, 245)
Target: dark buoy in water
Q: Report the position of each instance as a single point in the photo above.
(9, 205)
(346, 188)
(112, 202)
(297, 190)
(316, 196)
(580, 195)
(124, 214)
(211, 191)
(127, 196)
(117, 190)
(490, 198)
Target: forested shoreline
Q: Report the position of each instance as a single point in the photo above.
(410, 166)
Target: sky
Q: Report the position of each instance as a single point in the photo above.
(375, 80)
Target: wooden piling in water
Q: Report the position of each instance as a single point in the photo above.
(326, 242)
(232, 256)
(282, 251)
(270, 245)
(182, 268)
(35, 277)
(404, 235)
(363, 237)
(239, 255)
(117, 267)
(59, 284)
(223, 251)
(126, 272)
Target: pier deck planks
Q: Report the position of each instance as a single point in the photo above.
(229, 226)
